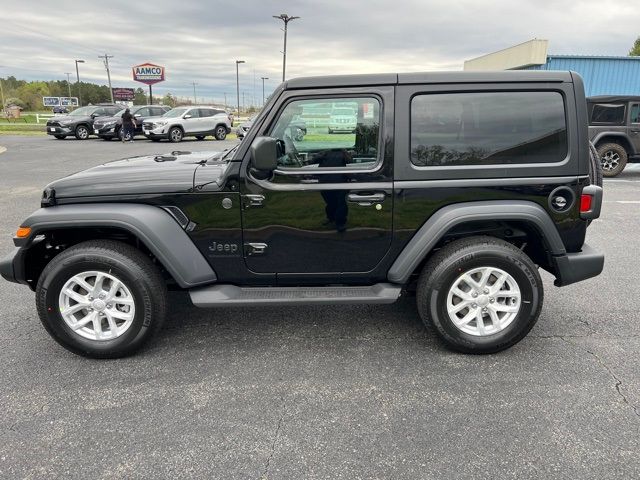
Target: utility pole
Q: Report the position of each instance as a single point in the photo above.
(238, 62)
(1, 97)
(68, 82)
(225, 100)
(195, 99)
(286, 19)
(106, 58)
(244, 107)
(78, 82)
(263, 79)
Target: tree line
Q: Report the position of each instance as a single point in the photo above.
(28, 94)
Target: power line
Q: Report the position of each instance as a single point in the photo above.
(106, 58)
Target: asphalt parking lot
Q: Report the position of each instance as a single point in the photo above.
(322, 392)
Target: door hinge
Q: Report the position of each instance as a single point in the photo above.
(255, 248)
(253, 200)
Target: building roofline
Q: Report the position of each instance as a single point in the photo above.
(595, 57)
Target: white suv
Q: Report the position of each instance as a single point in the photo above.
(182, 122)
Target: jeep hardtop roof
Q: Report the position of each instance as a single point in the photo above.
(613, 98)
(429, 77)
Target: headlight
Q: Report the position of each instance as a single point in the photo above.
(108, 124)
(160, 123)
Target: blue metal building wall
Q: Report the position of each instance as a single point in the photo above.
(602, 75)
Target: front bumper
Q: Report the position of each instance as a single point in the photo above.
(158, 132)
(575, 267)
(105, 131)
(12, 267)
(59, 130)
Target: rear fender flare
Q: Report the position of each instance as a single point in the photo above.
(428, 236)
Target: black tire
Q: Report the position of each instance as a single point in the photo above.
(613, 158)
(200, 137)
(60, 137)
(595, 167)
(135, 270)
(175, 134)
(446, 267)
(82, 132)
(154, 139)
(221, 132)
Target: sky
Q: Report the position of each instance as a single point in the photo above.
(199, 41)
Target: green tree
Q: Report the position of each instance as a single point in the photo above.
(140, 97)
(635, 51)
(169, 100)
(31, 94)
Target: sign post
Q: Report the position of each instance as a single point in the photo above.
(149, 74)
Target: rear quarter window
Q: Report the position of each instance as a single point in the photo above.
(608, 113)
(488, 128)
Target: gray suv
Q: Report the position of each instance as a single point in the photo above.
(614, 128)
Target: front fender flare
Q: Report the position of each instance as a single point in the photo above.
(154, 227)
(428, 236)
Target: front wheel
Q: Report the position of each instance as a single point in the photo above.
(613, 158)
(480, 294)
(175, 135)
(82, 132)
(101, 299)
(221, 132)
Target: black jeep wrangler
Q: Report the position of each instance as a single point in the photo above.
(614, 128)
(454, 187)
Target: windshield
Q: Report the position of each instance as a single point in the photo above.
(83, 111)
(176, 112)
(120, 112)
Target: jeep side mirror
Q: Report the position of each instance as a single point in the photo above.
(264, 154)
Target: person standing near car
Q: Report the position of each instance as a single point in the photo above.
(128, 126)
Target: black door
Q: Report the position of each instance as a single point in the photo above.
(328, 206)
(634, 126)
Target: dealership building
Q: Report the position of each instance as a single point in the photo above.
(603, 75)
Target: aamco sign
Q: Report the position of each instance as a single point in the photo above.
(148, 73)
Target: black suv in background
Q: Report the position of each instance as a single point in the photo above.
(455, 188)
(614, 128)
(109, 127)
(80, 122)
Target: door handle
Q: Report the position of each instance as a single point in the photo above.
(366, 198)
(252, 200)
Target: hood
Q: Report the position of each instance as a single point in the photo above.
(174, 172)
(103, 120)
(70, 118)
(153, 119)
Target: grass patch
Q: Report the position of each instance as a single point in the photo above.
(17, 129)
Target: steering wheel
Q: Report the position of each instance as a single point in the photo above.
(290, 150)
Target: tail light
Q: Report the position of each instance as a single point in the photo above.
(586, 201)
(590, 202)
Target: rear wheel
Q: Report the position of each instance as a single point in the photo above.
(175, 135)
(613, 158)
(82, 132)
(480, 294)
(101, 299)
(221, 132)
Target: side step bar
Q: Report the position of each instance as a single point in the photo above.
(228, 295)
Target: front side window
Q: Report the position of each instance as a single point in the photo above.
(488, 128)
(194, 112)
(635, 113)
(329, 133)
(608, 113)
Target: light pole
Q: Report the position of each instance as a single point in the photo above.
(68, 82)
(195, 99)
(78, 82)
(238, 62)
(263, 79)
(286, 19)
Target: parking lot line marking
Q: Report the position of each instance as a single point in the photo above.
(627, 201)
